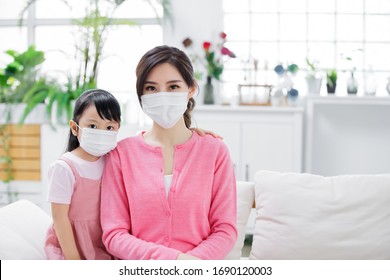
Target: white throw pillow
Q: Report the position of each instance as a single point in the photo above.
(23, 227)
(245, 200)
(304, 216)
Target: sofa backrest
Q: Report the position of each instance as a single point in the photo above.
(305, 216)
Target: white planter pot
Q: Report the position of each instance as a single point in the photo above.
(313, 85)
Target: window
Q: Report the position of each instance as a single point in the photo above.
(48, 24)
(284, 31)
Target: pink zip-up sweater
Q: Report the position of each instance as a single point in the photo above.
(199, 215)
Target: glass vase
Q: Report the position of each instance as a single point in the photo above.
(352, 85)
(208, 91)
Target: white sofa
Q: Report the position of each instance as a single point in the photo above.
(298, 216)
(306, 217)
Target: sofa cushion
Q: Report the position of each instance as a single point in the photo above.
(304, 216)
(245, 199)
(23, 227)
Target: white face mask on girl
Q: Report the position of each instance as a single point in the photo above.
(97, 142)
(165, 108)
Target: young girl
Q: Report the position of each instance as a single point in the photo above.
(168, 193)
(75, 179)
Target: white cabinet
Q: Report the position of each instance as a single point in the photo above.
(258, 137)
(347, 135)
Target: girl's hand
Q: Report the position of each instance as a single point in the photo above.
(186, 257)
(203, 132)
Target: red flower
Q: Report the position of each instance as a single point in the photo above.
(226, 51)
(206, 45)
(214, 57)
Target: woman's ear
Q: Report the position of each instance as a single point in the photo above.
(193, 90)
(73, 127)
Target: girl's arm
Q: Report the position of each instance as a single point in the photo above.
(64, 231)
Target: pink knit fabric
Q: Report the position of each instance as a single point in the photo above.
(199, 215)
(84, 216)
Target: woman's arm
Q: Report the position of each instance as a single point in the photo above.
(64, 231)
(222, 215)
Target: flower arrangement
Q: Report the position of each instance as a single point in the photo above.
(214, 56)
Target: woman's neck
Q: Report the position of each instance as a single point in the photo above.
(158, 136)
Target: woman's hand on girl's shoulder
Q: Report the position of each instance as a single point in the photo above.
(203, 132)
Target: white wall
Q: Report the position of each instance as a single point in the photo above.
(200, 20)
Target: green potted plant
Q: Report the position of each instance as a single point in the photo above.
(313, 79)
(16, 80)
(93, 29)
(331, 80)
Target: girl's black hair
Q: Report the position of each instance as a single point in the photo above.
(106, 105)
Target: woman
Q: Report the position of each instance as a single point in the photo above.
(168, 193)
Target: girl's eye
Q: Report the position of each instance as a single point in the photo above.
(110, 127)
(92, 126)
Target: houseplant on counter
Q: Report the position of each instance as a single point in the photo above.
(16, 79)
(213, 59)
(313, 79)
(331, 80)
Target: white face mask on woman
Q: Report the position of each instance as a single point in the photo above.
(97, 142)
(165, 108)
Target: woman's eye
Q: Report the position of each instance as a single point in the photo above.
(92, 126)
(173, 87)
(150, 88)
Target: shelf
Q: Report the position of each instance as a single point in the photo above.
(241, 108)
(349, 100)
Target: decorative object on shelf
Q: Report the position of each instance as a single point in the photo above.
(388, 85)
(253, 94)
(313, 79)
(370, 84)
(214, 55)
(208, 92)
(285, 83)
(352, 84)
(292, 97)
(279, 97)
(212, 61)
(331, 80)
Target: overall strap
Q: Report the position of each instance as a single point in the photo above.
(70, 163)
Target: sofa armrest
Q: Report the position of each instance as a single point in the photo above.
(245, 201)
(23, 227)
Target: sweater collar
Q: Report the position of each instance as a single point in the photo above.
(186, 145)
